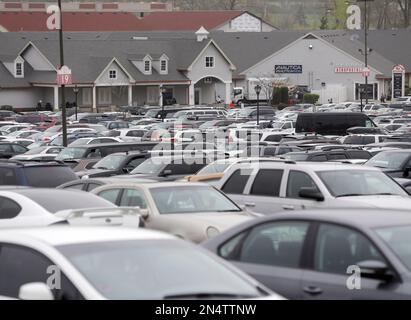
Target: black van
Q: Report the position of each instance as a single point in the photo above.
(331, 123)
(98, 151)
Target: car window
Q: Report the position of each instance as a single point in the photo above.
(8, 177)
(18, 149)
(336, 156)
(92, 186)
(296, 181)
(135, 162)
(54, 150)
(19, 266)
(236, 182)
(110, 195)
(274, 138)
(319, 158)
(274, 244)
(48, 176)
(133, 198)
(77, 186)
(267, 183)
(338, 247)
(5, 148)
(9, 209)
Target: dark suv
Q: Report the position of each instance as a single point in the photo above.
(42, 175)
(328, 155)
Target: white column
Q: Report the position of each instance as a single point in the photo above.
(191, 95)
(228, 93)
(130, 95)
(94, 99)
(160, 97)
(56, 98)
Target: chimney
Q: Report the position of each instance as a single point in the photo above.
(202, 34)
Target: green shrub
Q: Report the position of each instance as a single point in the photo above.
(311, 98)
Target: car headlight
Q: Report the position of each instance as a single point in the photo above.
(85, 177)
(212, 232)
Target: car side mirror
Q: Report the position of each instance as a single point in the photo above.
(374, 269)
(407, 171)
(128, 169)
(311, 193)
(166, 173)
(35, 291)
(144, 213)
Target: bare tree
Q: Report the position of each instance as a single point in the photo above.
(405, 6)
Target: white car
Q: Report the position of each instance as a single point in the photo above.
(40, 153)
(95, 263)
(15, 127)
(94, 140)
(22, 134)
(404, 100)
(22, 207)
(130, 134)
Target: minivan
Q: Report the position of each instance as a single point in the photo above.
(331, 123)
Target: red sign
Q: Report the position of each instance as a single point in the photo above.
(348, 69)
(398, 69)
(64, 76)
(366, 72)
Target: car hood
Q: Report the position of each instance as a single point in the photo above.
(380, 202)
(95, 172)
(219, 220)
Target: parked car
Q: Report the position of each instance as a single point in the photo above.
(88, 184)
(93, 140)
(45, 153)
(10, 149)
(331, 123)
(33, 174)
(100, 263)
(313, 254)
(191, 211)
(115, 164)
(396, 163)
(327, 155)
(28, 207)
(275, 186)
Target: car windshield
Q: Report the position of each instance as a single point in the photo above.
(150, 166)
(80, 142)
(389, 160)
(398, 238)
(151, 113)
(154, 269)
(71, 153)
(36, 150)
(191, 199)
(359, 183)
(111, 162)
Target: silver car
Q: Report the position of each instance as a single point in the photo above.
(268, 187)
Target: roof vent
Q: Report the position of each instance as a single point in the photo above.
(202, 34)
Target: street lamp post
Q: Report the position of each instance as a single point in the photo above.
(257, 89)
(63, 98)
(76, 90)
(162, 91)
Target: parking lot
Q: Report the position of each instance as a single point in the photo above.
(207, 202)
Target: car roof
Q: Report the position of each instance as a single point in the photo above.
(322, 166)
(67, 235)
(361, 218)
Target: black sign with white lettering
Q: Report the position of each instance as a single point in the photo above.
(397, 79)
(288, 68)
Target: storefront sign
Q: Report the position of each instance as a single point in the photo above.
(288, 68)
(348, 69)
(398, 81)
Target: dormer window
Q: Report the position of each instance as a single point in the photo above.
(209, 62)
(147, 66)
(163, 66)
(19, 69)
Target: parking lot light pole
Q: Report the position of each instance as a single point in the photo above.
(76, 90)
(162, 91)
(257, 89)
(63, 98)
